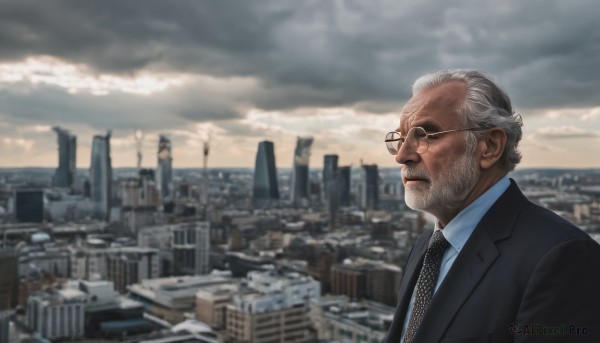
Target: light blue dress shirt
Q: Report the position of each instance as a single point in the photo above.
(458, 231)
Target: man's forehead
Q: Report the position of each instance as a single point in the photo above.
(436, 106)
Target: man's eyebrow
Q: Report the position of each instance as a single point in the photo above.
(426, 125)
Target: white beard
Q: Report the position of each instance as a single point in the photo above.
(449, 191)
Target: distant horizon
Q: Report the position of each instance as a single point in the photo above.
(290, 168)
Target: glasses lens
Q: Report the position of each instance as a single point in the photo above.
(393, 142)
(417, 139)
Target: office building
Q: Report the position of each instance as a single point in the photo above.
(273, 309)
(336, 319)
(128, 266)
(59, 314)
(369, 194)
(212, 303)
(28, 205)
(164, 169)
(265, 191)
(343, 186)
(64, 176)
(330, 196)
(299, 180)
(9, 280)
(191, 248)
(101, 176)
(349, 280)
(173, 298)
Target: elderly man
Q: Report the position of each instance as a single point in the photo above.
(496, 268)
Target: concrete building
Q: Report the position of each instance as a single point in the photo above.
(212, 303)
(265, 191)
(57, 314)
(349, 280)
(164, 169)
(64, 176)
(128, 266)
(124, 266)
(140, 201)
(191, 248)
(299, 180)
(101, 177)
(274, 311)
(338, 320)
(172, 298)
(55, 263)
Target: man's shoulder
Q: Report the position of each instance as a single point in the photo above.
(540, 228)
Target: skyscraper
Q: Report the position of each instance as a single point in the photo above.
(330, 185)
(343, 185)
(299, 187)
(67, 151)
(369, 196)
(330, 166)
(265, 190)
(101, 176)
(164, 170)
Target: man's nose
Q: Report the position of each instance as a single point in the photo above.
(407, 154)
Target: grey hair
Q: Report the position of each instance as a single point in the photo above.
(486, 106)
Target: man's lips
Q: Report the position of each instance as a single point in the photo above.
(414, 179)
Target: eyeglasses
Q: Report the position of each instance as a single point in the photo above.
(417, 138)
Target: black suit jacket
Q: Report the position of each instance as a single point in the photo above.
(524, 275)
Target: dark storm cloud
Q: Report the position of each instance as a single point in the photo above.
(318, 53)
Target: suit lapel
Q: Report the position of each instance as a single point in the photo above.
(471, 264)
(409, 279)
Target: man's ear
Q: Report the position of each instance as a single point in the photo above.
(492, 145)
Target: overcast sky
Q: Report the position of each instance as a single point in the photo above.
(245, 71)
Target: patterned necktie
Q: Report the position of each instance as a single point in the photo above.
(426, 282)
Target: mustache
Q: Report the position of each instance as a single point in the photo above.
(415, 173)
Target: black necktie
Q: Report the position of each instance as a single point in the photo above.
(426, 282)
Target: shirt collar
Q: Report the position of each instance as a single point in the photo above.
(459, 229)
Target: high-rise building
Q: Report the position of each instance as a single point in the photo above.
(265, 191)
(343, 185)
(369, 195)
(191, 248)
(330, 186)
(330, 166)
(101, 176)
(28, 205)
(140, 201)
(67, 152)
(164, 170)
(9, 280)
(299, 187)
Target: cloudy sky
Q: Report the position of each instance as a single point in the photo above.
(245, 71)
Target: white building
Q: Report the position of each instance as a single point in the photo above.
(57, 315)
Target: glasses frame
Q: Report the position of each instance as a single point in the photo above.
(391, 148)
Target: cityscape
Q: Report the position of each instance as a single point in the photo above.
(215, 171)
(270, 254)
